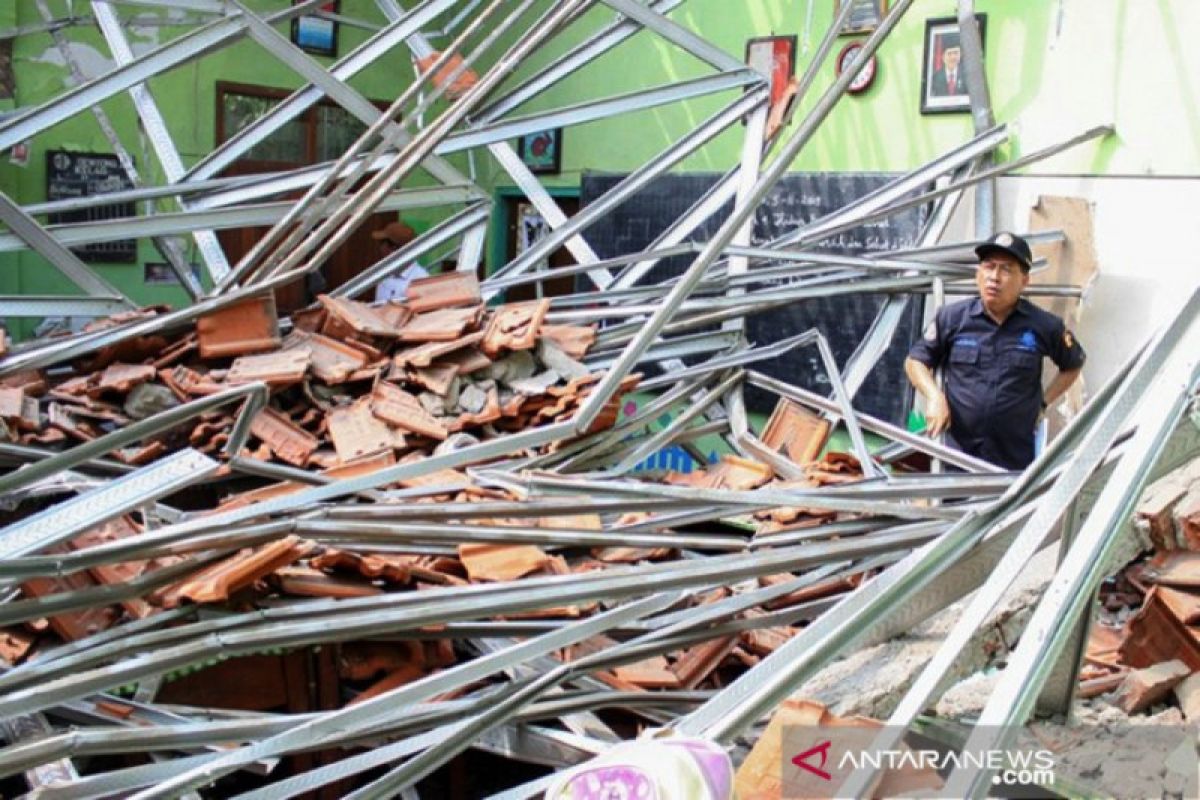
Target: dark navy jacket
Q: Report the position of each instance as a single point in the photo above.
(993, 374)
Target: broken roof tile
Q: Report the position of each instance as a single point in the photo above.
(649, 673)
(359, 317)
(697, 663)
(423, 355)
(123, 377)
(451, 479)
(357, 432)
(796, 429)
(448, 290)
(437, 378)
(308, 582)
(72, 625)
(514, 327)
(281, 368)
(12, 404)
(443, 325)
(246, 327)
(501, 562)
(174, 353)
(218, 581)
(118, 573)
(186, 382)
(33, 381)
(574, 340)
(394, 313)
(397, 407)
(286, 439)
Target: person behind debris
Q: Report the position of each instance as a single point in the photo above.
(990, 349)
(948, 80)
(391, 238)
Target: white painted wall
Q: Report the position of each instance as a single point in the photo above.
(1147, 236)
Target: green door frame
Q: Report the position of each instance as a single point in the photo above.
(500, 219)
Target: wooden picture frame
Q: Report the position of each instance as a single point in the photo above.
(541, 151)
(943, 81)
(865, 16)
(314, 34)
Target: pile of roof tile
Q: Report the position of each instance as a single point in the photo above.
(349, 381)
(1150, 611)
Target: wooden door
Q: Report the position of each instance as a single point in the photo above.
(322, 133)
(521, 214)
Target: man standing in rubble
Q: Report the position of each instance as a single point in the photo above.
(990, 350)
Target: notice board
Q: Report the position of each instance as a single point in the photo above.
(797, 199)
(71, 175)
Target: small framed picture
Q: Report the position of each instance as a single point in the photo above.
(773, 57)
(865, 15)
(541, 151)
(943, 81)
(314, 34)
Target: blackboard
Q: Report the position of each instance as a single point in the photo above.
(71, 175)
(797, 199)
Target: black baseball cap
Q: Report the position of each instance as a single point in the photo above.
(1011, 244)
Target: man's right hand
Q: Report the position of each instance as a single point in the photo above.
(937, 415)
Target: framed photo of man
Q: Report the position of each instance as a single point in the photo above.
(865, 15)
(943, 80)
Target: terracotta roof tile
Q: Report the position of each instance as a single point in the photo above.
(698, 662)
(282, 368)
(388, 569)
(443, 325)
(218, 581)
(357, 432)
(308, 582)
(423, 355)
(574, 340)
(119, 573)
(360, 317)
(514, 327)
(72, 625)
(450, 289)
(437, 378)
(500, 562)
(33, 381)
(175, 353)
(286, 439)
(649, 673)
(123, 377)
(12, 404)
(246, 327)
(397, 407)
(797, 429)
(394, 313)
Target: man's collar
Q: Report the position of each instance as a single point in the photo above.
(1022, 307)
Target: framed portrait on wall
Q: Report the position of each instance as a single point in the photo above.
(943, 81)
(541, 151)
(865, 15)
(773, 57)
(315, 34)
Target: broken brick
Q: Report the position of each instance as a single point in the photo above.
(1142, 688)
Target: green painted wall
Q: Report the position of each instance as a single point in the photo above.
(187, 98)
(1054, 67)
